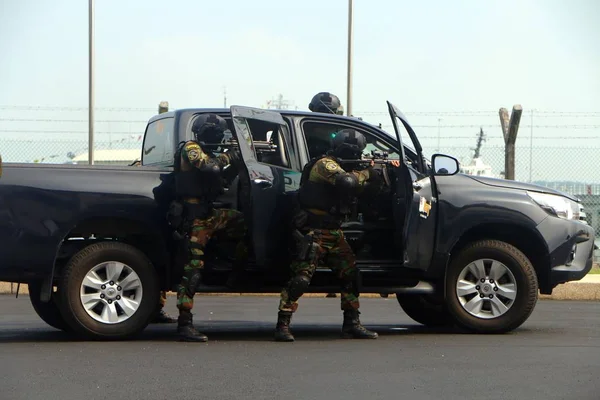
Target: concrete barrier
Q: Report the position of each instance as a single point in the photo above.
(586, 289)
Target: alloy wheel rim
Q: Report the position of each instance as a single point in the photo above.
(486, 288)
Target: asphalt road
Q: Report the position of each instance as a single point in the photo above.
(554, 355)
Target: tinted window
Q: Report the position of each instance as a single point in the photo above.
(269, 141)
(158, 143)
(319, 134)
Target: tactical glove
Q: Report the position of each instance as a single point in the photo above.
(235, 158)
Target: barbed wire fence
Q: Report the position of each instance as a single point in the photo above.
(49, 134)
(558, 149)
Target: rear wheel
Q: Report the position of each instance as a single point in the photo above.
(426, 310)
(109, 290)
(491, 287)
(49, 312)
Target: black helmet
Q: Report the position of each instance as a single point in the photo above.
(325, 102)
(209, 129)
(349, 144)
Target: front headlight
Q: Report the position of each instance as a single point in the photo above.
(558, 206)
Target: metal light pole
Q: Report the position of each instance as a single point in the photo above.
(350, 39)
(91, 84)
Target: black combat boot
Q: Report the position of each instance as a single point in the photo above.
(352, 329)
(282, 330)
(162, 317)
(186, 330)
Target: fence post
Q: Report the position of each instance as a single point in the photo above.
(509, 130)
(163, 107)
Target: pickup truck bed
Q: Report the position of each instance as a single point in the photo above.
(40, 205)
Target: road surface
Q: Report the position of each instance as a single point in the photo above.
(554, 355)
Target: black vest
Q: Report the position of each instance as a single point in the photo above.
(323, 196)
(203, 183)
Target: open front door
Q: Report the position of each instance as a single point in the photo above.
(420, 202)
(264, 138)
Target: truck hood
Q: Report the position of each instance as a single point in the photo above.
(504, 183)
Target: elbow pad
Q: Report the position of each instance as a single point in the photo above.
(346, 183)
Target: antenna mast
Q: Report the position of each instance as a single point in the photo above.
(480, 140)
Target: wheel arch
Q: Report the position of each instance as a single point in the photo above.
(140, 234)
(524, 238)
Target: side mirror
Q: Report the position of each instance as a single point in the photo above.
(444, 165)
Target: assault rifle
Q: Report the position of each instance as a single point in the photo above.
(377, 158)
(261, 145)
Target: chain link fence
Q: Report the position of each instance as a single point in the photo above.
(57, 151)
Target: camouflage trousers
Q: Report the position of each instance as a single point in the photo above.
(222, 222)
(333, 251)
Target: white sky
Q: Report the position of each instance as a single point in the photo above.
(435, 56)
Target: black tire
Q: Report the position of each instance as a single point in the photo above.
(425, 310)
(75, 271)
(48, 312)
(525, 280)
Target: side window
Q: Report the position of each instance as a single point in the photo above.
(318, 137)
(270, 143)
(159, 143)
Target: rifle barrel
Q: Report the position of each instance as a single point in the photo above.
(259, 145)
(365, 160)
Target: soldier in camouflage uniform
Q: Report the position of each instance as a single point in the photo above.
(198, 183)
(328, 103)
(326, 195)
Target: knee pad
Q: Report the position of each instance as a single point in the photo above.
(298, 286)
(192, 282)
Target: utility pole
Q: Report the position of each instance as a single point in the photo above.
(91, 84)
(350, 40)
(224, 96)
(509, 130)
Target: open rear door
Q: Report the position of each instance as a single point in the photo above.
(270, 191)
(421, 204)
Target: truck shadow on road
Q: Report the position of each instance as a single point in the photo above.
(234, 331)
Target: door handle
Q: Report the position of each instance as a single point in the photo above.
(263, 183)
(417, 186)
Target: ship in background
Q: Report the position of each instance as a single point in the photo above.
(476, 166)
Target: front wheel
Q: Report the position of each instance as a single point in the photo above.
(491, 287)
(109, 290)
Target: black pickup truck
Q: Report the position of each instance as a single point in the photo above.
(94, 247)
